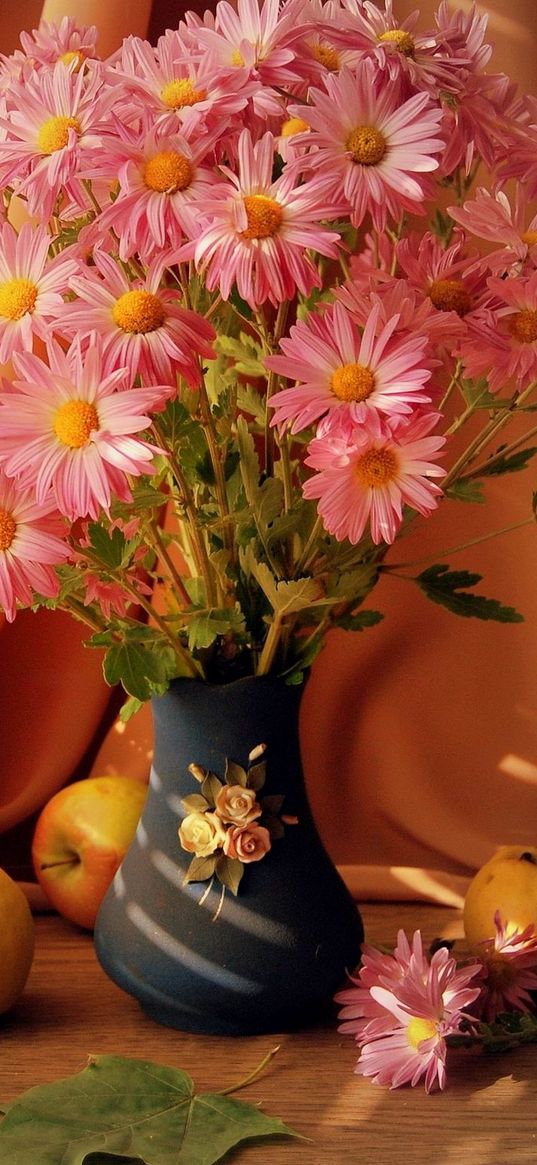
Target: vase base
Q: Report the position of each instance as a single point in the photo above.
(214, 1025)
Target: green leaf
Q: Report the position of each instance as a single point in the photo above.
(256, 776)
(445, 586)
(109, 547)
(229, 872)
(195, 803)
(200, 869)
(204, 628)
(129, 709)
(509, 1030)
(272, 804)
(284, 597)
(128, 1109)
(359, 620)
(510, 464)
(235, 774)
(139, 669)
(211, 787)
(466, 491)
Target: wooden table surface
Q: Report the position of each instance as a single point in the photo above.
(486, 1116)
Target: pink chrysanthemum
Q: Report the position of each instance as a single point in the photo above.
(376, 967)
(142, 326)
(453, 281)
(395, 297)
(365, 475)
(254, 36)
(375, 150)
(510, 966)
(66, 41)
(53, 131)
(501, 343)
(31, 287)
(492, 217)
(69, 429)
(172, 86)
(423, 1003)
(347, 372)
(162, 185)
(427, 61)
(259, 232)
(31, 544)
(478, 121)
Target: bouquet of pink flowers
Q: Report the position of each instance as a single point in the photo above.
(237, 358)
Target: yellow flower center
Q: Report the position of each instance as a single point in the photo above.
(237, 59)
(420, 1029)
(529, 238)
(402, 40)
(367, 145)
(75, 55)
(8, 529)
(523, 326)
(376, 468)
(450, 295)
(74, 422)
(138, 311)
(264, 215)
(17, 297)
(352, 382)
(180, 93)
(54, 133)
(327, 55)
(168, 172)
(294, 125)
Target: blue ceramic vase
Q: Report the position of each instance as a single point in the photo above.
(267, 959)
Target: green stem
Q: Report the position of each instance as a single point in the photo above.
(270, 647)
(197, 538)
(158, 543)
(437, 555)
(451, 386)
(482, 439)
(251, 1075)
(89, 191)
(505, 452)
(316, 530)
(272, 380)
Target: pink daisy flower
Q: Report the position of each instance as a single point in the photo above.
(478, 121)
(501, 343)
(254, 36)
(162, 184)
(375, 150)
(510, 965)
(31, 287)
(68, 429)
(376, 967)
(346, 372)
(426, 1005)
(454, 281)
(31, 545)
(492, 217)
(53, 131)
(141, 325)
(67, 41)
(173, 86)
(259, 231)
(366, 475)
(426, 61)
(396, 296)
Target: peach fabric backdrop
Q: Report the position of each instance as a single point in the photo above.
(419, 736)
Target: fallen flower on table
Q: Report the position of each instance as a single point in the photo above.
(406, 1009)
(510, 968)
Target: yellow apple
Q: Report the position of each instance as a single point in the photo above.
(508, 883)
(16, 941)
(80, 839)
